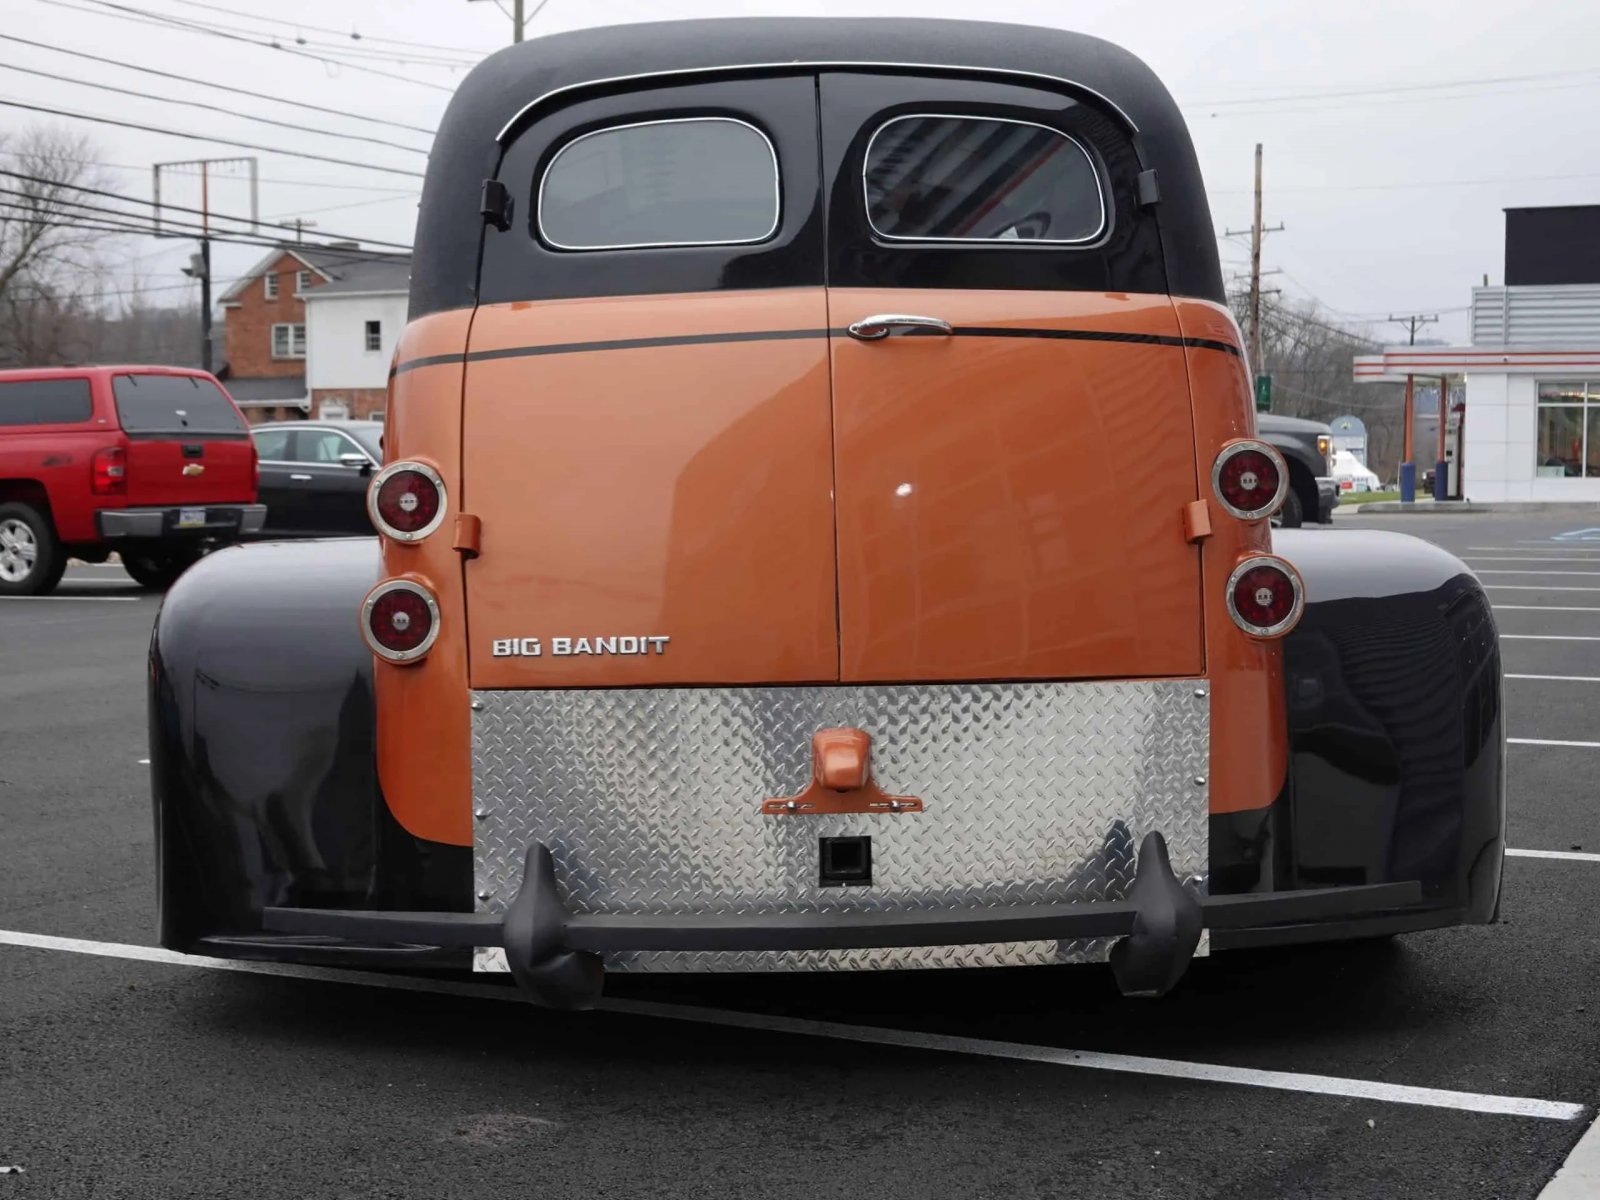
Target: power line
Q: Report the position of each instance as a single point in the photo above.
(1589, 73)
(432, 57)
(201, 104)
(128, 223)
(171, 23)
(324, 29)
(145, 171)
(203, 137)
(221, 87)
(411, 196)
(92, 191)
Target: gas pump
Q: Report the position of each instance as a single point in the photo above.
(1453, 441)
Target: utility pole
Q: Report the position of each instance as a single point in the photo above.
(519, 21)
(1408, 466)
(300, 226)
(1257, 231)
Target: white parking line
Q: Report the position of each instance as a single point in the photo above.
(1551, 742)
(1535, 587)
(1568, 855)
(1540, 571)
(1539, 548)
(1288, 1081)
(1541, 608)
(85, 599)
(1543, 637)
(1560, 678)
(1517, 558)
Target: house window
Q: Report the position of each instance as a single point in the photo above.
(302, 281)
(269, 286)
(374, 335)
(1569, 429)
(288, 341)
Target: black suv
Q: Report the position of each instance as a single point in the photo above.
(1304, 446)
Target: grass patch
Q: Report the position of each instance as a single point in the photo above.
(1366, 497)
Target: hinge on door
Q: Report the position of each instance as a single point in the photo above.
(469, 533)
(1149, 188)
(495, 204)
(1196, 521)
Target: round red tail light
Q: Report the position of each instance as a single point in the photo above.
(406, 501)
(1250, 479)
(400, 620)
(1265, 596)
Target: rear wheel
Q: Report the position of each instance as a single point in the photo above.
(31, 557)
(1292, 514)
(158, 570)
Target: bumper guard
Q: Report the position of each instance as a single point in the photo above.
(555, 955)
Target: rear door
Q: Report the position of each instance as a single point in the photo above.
(647, 435)
(187, 443)
(332, 494)
(1014, 447)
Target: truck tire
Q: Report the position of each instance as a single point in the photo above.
(32, 558)
(1292, 514)
(157, 570)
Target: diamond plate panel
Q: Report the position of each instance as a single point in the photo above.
(649, 801)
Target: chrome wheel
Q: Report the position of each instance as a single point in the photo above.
(19, 550)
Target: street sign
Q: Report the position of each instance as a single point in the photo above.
(1263, 393)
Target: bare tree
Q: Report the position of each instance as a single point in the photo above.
(1310, 355)
(49, 246)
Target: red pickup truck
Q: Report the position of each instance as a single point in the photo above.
(154, 463)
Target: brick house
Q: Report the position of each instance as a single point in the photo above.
(265, 318)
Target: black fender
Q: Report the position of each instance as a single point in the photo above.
(1396, 726)
(262, 757)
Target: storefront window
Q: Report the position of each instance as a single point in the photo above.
(1569, 429)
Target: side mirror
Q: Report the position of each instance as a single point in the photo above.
(359, 461)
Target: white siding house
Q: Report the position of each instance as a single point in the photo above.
(352, 327)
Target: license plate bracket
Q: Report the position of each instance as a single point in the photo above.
(191, 518)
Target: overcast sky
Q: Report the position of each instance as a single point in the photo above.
(1391, 190)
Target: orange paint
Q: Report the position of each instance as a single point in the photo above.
(1008, 506)
(1249, 733)
(424, 729)
(679, 491)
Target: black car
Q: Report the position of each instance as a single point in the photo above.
(314, 475)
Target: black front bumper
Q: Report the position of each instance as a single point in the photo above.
(556, 954)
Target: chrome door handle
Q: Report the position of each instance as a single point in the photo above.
(300, 478)
(870, 329)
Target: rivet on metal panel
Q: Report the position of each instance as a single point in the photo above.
(482, 814)
(485, 895)
(477, 706)
(1199, 781)
(1200, 693)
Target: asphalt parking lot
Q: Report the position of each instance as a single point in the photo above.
(1462, 1062)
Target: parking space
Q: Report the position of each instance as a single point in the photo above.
(1463, 1062)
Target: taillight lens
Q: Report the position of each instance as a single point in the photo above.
(1265, 596)
(1250, 479)
(400, 620)
(110, 471)
(406, 501)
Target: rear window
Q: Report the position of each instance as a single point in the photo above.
(45, 402)
(707, 181)
(932, 177)
(180, 404)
